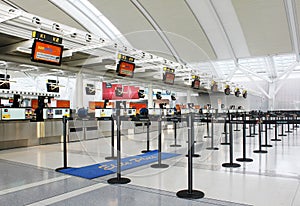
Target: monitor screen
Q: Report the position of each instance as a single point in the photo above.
(196, 84)
(227, 91)
(169, 78)
(47, 53)
(90, 89)
(125, 69)
(4, 81)
(52, 86)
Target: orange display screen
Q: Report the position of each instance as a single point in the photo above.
(196, 84)
(45, 52)
(169, 78)
(125, 69)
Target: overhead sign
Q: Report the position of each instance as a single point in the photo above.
(166, 69)
(125, 58)
(46, 37)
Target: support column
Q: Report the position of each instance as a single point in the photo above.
(78, 97)
(188, 98)
(150, 96)
(272, 93)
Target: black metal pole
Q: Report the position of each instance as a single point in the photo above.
(244, 159)
(159, 164)
(289, 131)
(175, 136)
(112, 157)
(65, 157)
(276, 131)
(148, 138)
(259, 140)
(266, 137)
(119, 179)
(226, 133)
(282, 128)
(236, 124)
(207, 126)
(212, 147)
(231, 163)
(190, 193)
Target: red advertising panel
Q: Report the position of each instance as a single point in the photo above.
(119, 92)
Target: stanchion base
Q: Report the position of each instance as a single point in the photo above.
(267, 145)
(212, 148)
(263, 131)
(225, 143)
(160, 166)
(250, 136)
(233, 165)
(195, 194)
(193, 155)
(188, 141)
(276, 140)
(255, 134)
(270, 128)
(288, 132)
(237, 130)
(207, 137)
(244, 160)
(145, 151)
(282, 135)
(225, 133)
(61, 168)
(175, 145)
(110, 158)
(260, 151)
(116, 180)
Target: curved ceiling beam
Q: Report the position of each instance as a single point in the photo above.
(153, 23)
(89, 17)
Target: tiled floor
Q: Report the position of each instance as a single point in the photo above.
(27, 175)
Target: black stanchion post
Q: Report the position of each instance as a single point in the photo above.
(289, 131)
(266, 137)
(175, 136)
(282, 128)
(226, 133)
(65, 158)
(148, 138)
(259, 139)
(244, 159)
(225, 128)
(254, 130)
(212, 147)
(231, 163)
(190, 193)
(119, 179)
(270, 118)
(207, 126)
(159, 164)
(236, 124)
(250, 132)
(276, 130)
(112, 157)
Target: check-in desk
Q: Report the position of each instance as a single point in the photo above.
(16, 130)
(83, 129)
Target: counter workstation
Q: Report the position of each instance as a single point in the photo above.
(18, 130)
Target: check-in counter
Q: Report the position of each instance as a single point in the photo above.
(50, 131)
(17, 129)
(20, 133)
(84, 129)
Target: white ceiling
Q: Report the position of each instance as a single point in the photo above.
(225, 33)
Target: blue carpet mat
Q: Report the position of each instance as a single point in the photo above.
(110, 167)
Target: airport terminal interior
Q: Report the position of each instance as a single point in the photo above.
(153, 103)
